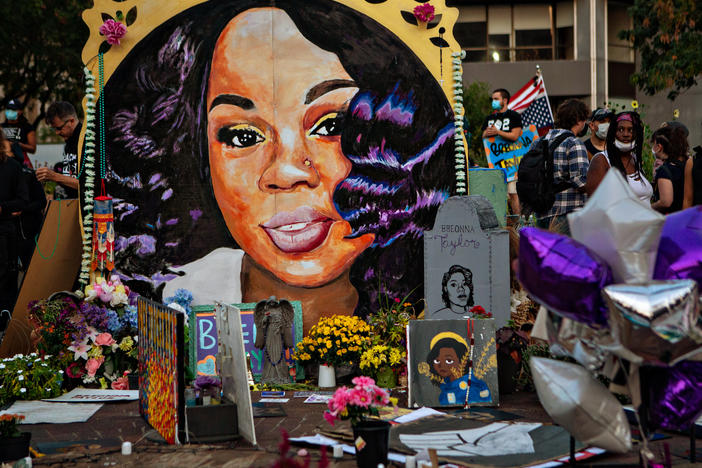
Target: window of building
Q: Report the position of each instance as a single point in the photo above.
(516, 32)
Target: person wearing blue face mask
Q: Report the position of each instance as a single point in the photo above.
(505, 123)
(19, 132)
(599, 125)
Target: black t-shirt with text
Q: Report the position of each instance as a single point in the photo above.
(69, 165)
(504, 121)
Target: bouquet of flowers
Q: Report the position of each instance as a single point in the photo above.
(94, 338)
(334, 341)
(384, 363)
(479, 312)
(29, 377)
(8, 425)
(356, 403)
(386, 358)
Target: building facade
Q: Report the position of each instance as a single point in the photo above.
(576, 44)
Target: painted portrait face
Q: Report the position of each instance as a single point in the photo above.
(447, 364)
(275, 103)
(458, 290)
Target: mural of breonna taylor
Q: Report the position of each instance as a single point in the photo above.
(288, 148)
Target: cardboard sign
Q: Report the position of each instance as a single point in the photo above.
(452, 363)
(507, 154)
(203, 339)
(466, 261)
(231, 358)
(490, 183)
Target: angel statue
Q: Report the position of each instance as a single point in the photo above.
(273, 320)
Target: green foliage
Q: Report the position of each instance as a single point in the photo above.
(476, 101)
(667, 34)
(29, 377)
(42, 42)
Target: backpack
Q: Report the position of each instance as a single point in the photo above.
(535, 186)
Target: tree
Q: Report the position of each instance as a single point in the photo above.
(42, 42)
(667, 35)
(476, 101)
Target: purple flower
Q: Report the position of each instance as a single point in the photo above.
(204, 382)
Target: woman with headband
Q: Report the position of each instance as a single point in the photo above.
(622, 151)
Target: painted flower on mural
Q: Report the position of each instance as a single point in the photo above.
(113, 31)
(634, 104)
(424, 12)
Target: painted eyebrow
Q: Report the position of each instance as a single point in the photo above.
(326, 86)
(234, 100)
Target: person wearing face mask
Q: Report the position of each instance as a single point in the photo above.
(622, 151)
(19, 132)
(598, 124)
(570, 165)
(505, 123)
(669, 143)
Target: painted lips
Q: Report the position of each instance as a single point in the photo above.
(302, 230)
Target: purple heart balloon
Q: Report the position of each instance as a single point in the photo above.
(680, 249)
(673, 395)
(564, 275)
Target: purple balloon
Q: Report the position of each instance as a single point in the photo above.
(680, 249)
(673, 395)
(564, 275)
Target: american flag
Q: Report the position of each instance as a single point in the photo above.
(532, 102)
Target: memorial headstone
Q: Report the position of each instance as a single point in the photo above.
(466, 261)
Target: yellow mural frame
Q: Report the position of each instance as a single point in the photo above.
(152, 13)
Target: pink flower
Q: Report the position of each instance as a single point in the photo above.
(360, 398)
(363, 381)
(93, 365)
(330, 417)
(80, 349)
(424, 12)
(339, 400)
(104, 339)
(113, 31)
(121, 383)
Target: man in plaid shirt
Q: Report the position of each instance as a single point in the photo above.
(570, 164)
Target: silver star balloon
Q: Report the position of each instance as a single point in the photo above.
(658, 321)
(620, 228)
(581, 404)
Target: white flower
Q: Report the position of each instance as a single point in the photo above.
(2, 366)
(20, 378)
(47, 389)
(23, 390)
(20, 371)
(34, 354)
(60, 372)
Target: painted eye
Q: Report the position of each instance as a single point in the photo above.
(437, 361)
(449, 362)
(240, 136)
(329, 125)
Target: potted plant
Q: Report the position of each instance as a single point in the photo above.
(386, 358)
(208, 387)
(14, 444)
(333, 341)
(370, 435)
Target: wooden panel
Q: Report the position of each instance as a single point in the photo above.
(54, 267)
